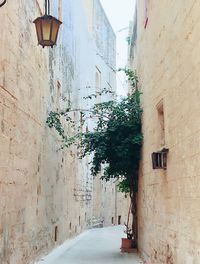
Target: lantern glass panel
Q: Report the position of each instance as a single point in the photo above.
(46, 29)
(38, 25)
(55, 28)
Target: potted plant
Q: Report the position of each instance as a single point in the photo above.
(127, 243)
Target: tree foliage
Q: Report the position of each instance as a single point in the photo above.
(117, 139)
(115, 142)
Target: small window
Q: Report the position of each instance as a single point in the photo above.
(159, 159)
(58, 95)
(56, 234)
(119, 220)
(112, 220)
(98, 85)
(81, 121)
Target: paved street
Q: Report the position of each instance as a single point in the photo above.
(96, 246)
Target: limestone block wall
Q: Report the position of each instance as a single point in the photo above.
(110, 206)
(168, 66)
(45, 193)
(115, 205)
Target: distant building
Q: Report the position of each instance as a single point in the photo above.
(108, 205)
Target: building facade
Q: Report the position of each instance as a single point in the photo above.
(110, 207)
(47, 196)
(166, 55)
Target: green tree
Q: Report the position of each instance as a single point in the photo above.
(115, 142)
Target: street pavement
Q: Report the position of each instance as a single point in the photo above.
(96, 246)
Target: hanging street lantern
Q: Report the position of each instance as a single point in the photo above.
(47, 28)
(2, 2)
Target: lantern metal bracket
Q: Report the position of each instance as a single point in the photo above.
(47, 7)
(3, 3)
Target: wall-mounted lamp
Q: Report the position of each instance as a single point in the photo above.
(2, 2)
(47, 27)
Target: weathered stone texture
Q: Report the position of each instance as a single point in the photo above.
(110, 206)
(46, 194)
(168, 66)
(36, 182)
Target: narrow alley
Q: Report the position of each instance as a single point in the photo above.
(96, 246)
(99, 132)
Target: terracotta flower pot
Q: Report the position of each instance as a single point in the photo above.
(126, 243)
(127, 246)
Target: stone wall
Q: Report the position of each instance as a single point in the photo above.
(46, 194)
(39, 205)
(168, 66)
(110, 206)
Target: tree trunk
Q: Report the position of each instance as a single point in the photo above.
(134, 217)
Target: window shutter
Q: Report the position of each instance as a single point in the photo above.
(159, 159)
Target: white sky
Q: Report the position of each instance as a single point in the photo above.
(120, 13)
